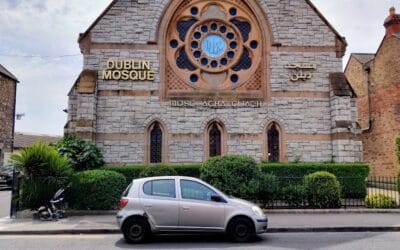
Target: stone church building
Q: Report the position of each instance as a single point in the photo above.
(8, 92)
(177, 81)
(376, 80)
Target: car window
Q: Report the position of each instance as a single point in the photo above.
(195, 191)
(163, 188)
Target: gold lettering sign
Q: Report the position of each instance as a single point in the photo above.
(128, 70)
(301, 71)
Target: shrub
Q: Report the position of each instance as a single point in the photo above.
(158, 170)
(351, 176)
(43, 171)
(294, 195)
(130, 172)
(398, 147)
(236, 175)
(398, 183)
(398, 157)
(83, 155)
(322, 190)
(268, 188)
(96, 189)
(192, 170)
(379, 201)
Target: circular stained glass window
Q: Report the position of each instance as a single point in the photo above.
(213, 46)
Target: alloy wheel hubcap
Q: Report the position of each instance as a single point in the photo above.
(136, 230)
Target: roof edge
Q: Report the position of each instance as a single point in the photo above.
(95, 22)
(341, 38)
(7, 73)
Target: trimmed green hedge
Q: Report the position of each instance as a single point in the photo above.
(233, 174)
(351, 176)
(96, 189)
(322, 190)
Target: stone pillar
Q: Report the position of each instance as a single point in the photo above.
(345, 146)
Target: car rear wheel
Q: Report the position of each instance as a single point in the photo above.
(241, 230)
(136, 230)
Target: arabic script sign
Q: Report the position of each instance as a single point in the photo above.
(301, 71)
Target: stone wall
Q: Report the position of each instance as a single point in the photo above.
(7, 102)
(293, 23)
(117, 113)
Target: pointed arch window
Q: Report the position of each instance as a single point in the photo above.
(156, 143)
(273, 143)
(215, 137)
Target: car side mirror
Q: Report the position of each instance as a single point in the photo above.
(217, 198)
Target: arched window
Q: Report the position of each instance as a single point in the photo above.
(156, 143)
(273, 143)
(215, 140)
(215, 137)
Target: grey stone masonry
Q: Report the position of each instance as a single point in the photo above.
(293, 23)
(118, 114)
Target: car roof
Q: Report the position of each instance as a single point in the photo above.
(140, 180)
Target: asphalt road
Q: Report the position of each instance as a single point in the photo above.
(5, 199)
(329, 241)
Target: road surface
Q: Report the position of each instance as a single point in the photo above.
(279, 241)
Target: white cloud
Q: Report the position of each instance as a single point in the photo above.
(51, 27)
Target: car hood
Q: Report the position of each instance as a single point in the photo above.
(240, 202)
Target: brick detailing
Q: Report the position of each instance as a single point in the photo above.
(7, 108)
(379, 141)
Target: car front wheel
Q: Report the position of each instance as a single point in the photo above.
(241, 230)
(136, 230)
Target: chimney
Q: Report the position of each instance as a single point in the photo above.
(392, 23)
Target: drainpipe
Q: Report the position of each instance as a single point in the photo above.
(370, 119)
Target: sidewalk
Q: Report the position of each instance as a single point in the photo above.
(278, 222)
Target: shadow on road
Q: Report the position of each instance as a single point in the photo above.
(185, 241)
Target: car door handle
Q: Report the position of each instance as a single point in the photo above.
(185, 208)
(148, 206)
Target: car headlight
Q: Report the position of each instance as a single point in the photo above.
(258, 211)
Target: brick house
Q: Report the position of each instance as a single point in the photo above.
(8, 89)
(181, 81)
(376, 80)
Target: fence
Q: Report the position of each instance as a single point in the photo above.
(291, 194)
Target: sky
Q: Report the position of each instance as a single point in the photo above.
(38, 44)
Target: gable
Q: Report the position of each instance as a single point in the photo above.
(293, 23)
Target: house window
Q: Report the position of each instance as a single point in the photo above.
(273, 144)
(156, 135)
(215, 140)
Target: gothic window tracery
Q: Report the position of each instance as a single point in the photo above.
(213, 45)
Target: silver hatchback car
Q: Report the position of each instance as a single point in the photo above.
(185, 204)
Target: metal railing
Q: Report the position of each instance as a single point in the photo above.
(291, 193)
(376, 192)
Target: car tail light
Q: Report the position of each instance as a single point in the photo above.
(123, 202)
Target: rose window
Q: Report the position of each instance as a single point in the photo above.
(214, 45)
